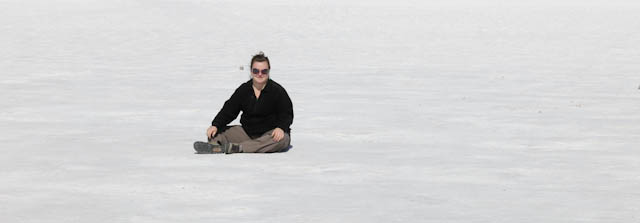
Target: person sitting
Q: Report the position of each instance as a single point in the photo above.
(267, 114)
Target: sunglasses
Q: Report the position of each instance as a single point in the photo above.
(256, 71)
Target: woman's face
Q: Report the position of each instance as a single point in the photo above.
(260, 72)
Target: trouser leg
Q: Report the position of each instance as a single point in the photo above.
(233, 134)
(265, 144)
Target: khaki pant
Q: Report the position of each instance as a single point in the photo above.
(262, 144)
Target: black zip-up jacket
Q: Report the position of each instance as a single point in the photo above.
(272, 109)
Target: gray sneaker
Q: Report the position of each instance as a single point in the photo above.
(207, 148)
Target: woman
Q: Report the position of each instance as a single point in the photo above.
(267, 114)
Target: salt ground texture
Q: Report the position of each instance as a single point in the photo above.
(405, 111)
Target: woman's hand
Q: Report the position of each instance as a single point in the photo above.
(211, 131)
(277, 134)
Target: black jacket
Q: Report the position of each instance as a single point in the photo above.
(272, 109)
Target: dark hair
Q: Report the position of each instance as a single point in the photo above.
(260, 57)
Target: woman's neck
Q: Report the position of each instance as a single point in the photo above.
(259, 87)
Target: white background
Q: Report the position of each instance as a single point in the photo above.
(405, 111)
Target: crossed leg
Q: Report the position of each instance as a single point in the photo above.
(262, 144)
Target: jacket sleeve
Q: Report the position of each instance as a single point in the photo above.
(285, 111)
(229, 111)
